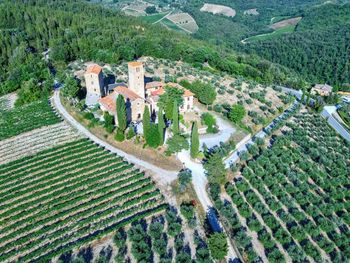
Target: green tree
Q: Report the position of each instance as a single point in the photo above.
(70, 88)
(205, 93)
(151, 9)
(161, 125)
(146, 123)
(108, 124)
(176, 144)
(218, 246)
(153, 139)
(194, 141)
(237, 113)
(175, 118)
(215, 168)
(166, 100)
(185, 178)
(121, 113)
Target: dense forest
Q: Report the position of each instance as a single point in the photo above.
(75, 30)
(319, 49)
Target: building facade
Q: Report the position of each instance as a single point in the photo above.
(138, 94)
(94, 85)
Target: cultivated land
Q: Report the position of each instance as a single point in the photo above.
(218, 9)
(70, 194)
(184, 21)
(281, 27)
(291, 200)
(284, 23)
(26, 118)
(34, 141)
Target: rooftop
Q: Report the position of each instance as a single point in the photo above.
(135, 64)
(109, 102)
(127, 93)
(95, 69)
(154, 84)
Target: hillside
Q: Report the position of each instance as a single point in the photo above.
(74, 30)
(319, 47)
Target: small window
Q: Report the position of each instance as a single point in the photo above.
(137, 69)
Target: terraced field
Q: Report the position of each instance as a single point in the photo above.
(26, 118)
(66, 196)
(290, 202)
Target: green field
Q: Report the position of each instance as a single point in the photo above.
(26, 118)
(274, 34)
(171, 25)
(153, 18)
(279, 18)
(67, 196)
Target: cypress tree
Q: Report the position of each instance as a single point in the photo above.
(121, 113)
(161, 125)
(175, 125)
(146, 122)
(194, 141)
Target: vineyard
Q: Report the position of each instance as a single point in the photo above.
(26, 118)
(290, 202)
(31, 142)
(67, 196)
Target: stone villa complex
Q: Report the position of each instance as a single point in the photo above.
(137, 93)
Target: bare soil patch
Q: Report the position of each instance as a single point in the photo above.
(218, 9)
(288, 22)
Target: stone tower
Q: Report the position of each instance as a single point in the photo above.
(94, 84)
(136, 78)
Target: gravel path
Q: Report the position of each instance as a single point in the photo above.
(160, 174)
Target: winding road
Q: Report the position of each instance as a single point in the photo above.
(163, 175)
(198, 173)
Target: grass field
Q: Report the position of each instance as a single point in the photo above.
(274, 34)
(171, 25)
(67, 196)
(26, 118)
(153, 18)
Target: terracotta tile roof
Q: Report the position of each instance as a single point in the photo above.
(154, 84)
(109, 102)
(127, 93)
(135, 64)
(158, 92)
(95, 69)
(188, 93)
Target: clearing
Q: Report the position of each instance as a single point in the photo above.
(252, 11)
(218, 9)
(183, 21)
(286, 23)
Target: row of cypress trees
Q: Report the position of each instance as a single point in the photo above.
(154, 132)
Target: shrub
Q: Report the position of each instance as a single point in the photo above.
(119, 136)
(176, 144)
(131, 133)
(210, 121)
